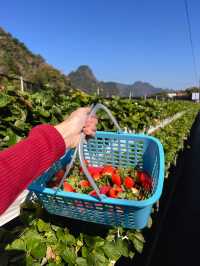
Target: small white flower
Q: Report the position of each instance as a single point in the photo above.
(135, 191)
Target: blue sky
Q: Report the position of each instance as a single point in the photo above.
(122, 41)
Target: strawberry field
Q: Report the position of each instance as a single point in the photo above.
(42, 239)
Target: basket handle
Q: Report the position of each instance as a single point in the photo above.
(81, 143)
(99, 106)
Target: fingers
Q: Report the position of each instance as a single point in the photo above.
(90, 131)
(91, 121)
(90, 126)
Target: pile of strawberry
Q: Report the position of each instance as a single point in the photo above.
(113, 182)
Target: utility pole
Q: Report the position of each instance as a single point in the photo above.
(22, 83)
(130, 94)
(98, 91)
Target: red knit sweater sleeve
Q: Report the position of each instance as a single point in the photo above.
(23, 162)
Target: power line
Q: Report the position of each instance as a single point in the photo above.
(191, 42)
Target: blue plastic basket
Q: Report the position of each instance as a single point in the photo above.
(118, 149)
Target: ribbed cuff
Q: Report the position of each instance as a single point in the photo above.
(55, 140)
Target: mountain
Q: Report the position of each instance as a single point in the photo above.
(17, 60)
(83, 78)
(143, 88)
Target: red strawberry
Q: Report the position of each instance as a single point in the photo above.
(93, 193)
(113, 193)
(147, 185)
(129, 182)
(96, 176)
(118, 189)
(93, 170)
(108, 170)
(104, 189)
(86, 162)
(141, 176)
(59, 175)
(145, 180)
(90, 169)
(84, 183)
(98, 169)
(116, 179)
(68, 187)
(52, 184)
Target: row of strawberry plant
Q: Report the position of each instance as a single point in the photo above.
(173, 135)
(19, 112)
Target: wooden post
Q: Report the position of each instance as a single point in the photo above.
(22, 83)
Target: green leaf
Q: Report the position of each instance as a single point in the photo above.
(50, 237)
(81, 261)
(55, 227)
(84, 252)
(18, 244)
(111, 251)
(122, 245)
(131, 254)
(69, 256)
(69, 239)
(29, 260)
(4, 100)
(31, 243)
(60, 234)
(42, 112)
(11, 137)
(93, 241)
(39, 251)
(96, 259)
(54, 264)
(137, 240)
(42, 226)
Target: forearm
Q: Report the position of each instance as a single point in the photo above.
(22, 163)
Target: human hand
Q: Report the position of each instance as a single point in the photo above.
(71, 128)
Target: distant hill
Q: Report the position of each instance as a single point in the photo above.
(17, 59)
(83, 78)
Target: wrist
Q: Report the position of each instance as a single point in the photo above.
(62, 130)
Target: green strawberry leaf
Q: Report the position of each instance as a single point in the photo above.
(42, 226)
(81, 262)
(39, 251)
(69, 256)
